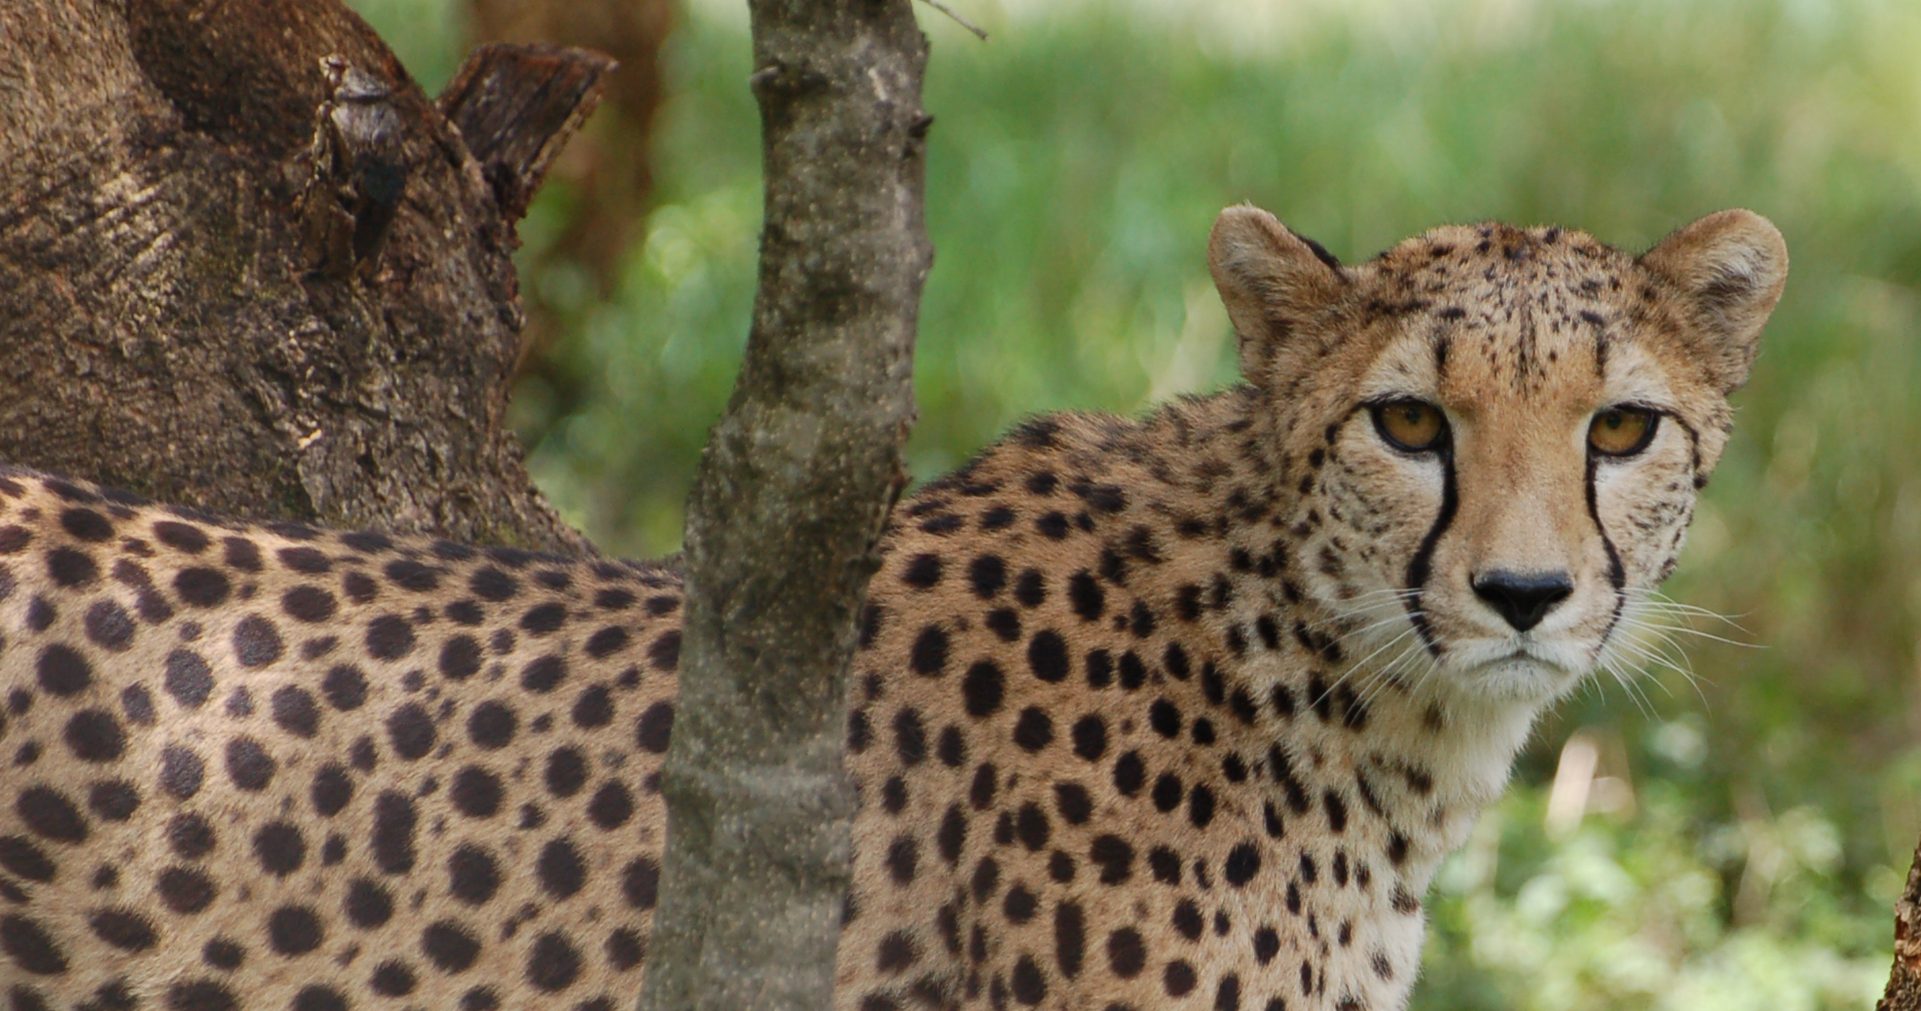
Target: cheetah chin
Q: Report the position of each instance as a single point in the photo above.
(1175, 712)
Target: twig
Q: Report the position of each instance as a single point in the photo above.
(978, 31)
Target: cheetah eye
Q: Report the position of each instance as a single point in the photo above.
(1622, 430)
(1414, 426)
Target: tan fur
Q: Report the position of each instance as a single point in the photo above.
(1147, 714)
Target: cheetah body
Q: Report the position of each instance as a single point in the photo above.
(1179, 712)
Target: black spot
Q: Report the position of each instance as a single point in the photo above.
(543, 619)
(1267, 944)
(181, 771)
(902, 856)
(293, 930)
(190, 837)
(1200, 806)
(1187, 919)
(1130, 774)
(460, 658)
(1073, 802)
(1164, 718)
(1028, 985)
(249, 765)
(202, 587)
(185, 891)
(393, 834)
(611, 806)
(180, 536)
(1126, 952)
(1178, 978)
(279, 848)
(450, 947)
(1086, 596)
(1114, 857)
(61, 671)
(124, 929)
(655, 727)
(345, 688)
(552, 963)
(367, 905)
(1031, 588)
(476, 792)
(67, 567)
(566, 772)
(108, 626)
(560, 869)
(922, 572)
(309, 604)
(543, 673)
(1090, 737)
(332, 789)
(1047, 656)
(411, 730)
(472, 875)
(392, 978)
(1019, 905)
(987, 574)
(607, 641)
(295, 711)
(319, 998)
(1168, 790)
(389, 638)
(929, 653)
(224, 954)
(489, 583)
(983, 688)
(664, 654)
(94, 735)
(640, 882)
(200, 995)
(255, 642)
(1031, 826)
(1034, 730)
(113, 800)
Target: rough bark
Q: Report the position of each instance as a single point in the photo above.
(610, 163)
(189, 308)
(786, 512)
(1904, 981)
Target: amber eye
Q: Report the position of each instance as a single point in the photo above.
(1410, 425)
(1622, 430)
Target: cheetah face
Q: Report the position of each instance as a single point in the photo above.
(1496, 435)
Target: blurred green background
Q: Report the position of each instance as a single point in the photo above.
(1736, 845)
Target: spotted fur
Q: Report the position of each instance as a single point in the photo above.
(1178, 712)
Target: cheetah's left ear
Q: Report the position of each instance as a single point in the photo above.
(1729, 269)
(1270, 279)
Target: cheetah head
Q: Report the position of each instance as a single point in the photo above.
(1497, 434)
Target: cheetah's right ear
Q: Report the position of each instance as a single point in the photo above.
(1729, 269)
(1269, 278)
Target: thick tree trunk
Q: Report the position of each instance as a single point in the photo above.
(190, 309)
(786, 515)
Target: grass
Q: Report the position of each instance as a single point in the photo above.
(1756, 833)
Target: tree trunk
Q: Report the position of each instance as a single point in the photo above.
(204, 305)
(1904, 980)
(786, 515)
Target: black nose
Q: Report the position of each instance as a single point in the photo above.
(1523, 598)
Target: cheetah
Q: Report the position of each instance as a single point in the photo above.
(1177, 712)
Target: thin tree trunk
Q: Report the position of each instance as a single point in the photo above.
(191, 308)
(786, 515)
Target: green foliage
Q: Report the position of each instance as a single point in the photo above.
(1077, 161)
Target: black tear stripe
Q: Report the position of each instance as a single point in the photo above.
(1418, 567)
(1617, 575)
(1694, 452)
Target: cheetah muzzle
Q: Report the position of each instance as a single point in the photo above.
(1177, 712)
